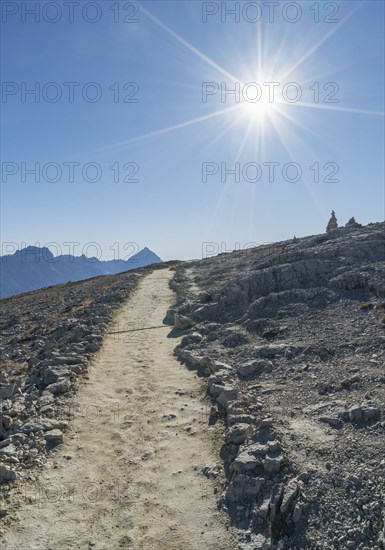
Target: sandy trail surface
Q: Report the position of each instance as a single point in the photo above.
(128, 474)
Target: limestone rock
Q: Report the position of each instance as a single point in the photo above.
(227, 396)
(370, 413)
(238, 433)
(273, 464)
(245, 462)
(9, 450)
(290, 493)
(182, 322)
(355, 414)
(263, 510)
(8, 391)
(6, 474)
(52, 374)
(260, 542)
(42, 425)
(215, 389)
(240, 418)
(243, 487)
(63, 385)
(298, 510)
(253, 368)
(218, 380)
(275, 500)
(54, 437)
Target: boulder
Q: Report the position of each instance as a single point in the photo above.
(227, 396)
(56, 360)
(273, 446)
(218, 380)
(298, 511)
(273, 464)
(269, 352)
(240, 418)
(355, 414)
(42, 425)
(243, 487)
(191, 359)
(370, 413)
(254, 368)
(193, 338)
(6, 474)
(93, 347)
(245, 462)
(238, 433)
(78, 369)
(63, 385)
(7, 421)
(54, 437)
(261, 543)
(181, 322)
(290, 493)
(275, 499)
(347, 383)
(263, 510)
(7, 451)
(52, 374)
(214, 366)
(266, 423)
(6, 392)
(37, 425)
(215, 389)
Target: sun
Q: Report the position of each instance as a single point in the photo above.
(258, 110)
(255, 85)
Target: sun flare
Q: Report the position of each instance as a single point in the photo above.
(261, 96)
(259, 110)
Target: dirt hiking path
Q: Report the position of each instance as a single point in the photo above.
(129, 472)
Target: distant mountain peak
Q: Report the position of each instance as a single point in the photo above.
(34, 252)
(35, 267)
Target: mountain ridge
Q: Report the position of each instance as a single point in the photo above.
(33, 267)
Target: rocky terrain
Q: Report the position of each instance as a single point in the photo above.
(290, 340)
(48, 338)
(290, 337)
(135, 447)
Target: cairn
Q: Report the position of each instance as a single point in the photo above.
(352, 223)
(332, 224)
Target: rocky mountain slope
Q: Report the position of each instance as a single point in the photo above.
(135, 446)
(48, 338)
(32, 267)
(291, 339)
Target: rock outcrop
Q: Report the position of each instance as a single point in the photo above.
(299, 329)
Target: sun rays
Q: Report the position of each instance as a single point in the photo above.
(254, 115)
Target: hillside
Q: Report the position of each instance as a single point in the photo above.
(288, 342)
(291, 338)
(130, 441)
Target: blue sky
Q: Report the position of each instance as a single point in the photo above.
(168, 54)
